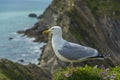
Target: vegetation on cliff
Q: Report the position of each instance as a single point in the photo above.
(15, 71)
(105, 7)
(89, 73)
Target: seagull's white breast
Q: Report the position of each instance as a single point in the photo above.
(58, 43)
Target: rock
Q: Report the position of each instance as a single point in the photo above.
(43, 47)
(38, 63)
(21, 60)
(10, 38)
(32, 15)
(40, 17)
(20, 31)
(36, 32)
(13, 71)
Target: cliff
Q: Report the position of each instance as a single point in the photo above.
(15, 71)
(91, 23)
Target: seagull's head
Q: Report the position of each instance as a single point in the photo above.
(55, 30)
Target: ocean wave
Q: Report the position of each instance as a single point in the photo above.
(33, 49)
(23, 55)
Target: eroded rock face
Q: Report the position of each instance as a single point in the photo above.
(84, 24)
(14, 71)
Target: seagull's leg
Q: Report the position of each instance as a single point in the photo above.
(71, 68)
(69, 73)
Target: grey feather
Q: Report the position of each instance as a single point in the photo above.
(74, 51)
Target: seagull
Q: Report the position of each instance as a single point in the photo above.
(70, 52)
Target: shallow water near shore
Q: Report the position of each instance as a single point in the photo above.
(14, 17)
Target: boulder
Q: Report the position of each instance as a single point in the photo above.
(32, 15)
(10, 38)
(21, 60)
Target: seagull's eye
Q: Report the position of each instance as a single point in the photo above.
(53, 28)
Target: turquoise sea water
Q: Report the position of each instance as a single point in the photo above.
(14, 17)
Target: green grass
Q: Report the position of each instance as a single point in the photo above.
(89, 73)
(3, 77)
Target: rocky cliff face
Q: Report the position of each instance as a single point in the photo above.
(87, 22)
(15, 71)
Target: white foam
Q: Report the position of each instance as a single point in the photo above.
(23, 55)
(34, 50)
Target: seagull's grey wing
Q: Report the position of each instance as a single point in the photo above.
(74, 51)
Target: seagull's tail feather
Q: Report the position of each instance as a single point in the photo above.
(101, 56)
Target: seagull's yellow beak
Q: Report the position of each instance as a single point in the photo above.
(46, 32)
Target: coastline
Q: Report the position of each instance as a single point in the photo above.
(80, 25)
(35, 49)
(21, 71)
(14, 17)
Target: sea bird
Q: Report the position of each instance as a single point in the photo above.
(71, 52)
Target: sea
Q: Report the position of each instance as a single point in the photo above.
(14, 17)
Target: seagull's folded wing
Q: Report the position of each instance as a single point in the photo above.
(74, 51)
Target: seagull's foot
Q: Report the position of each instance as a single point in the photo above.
(70, 71)
(76, 69)
(68, 74)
